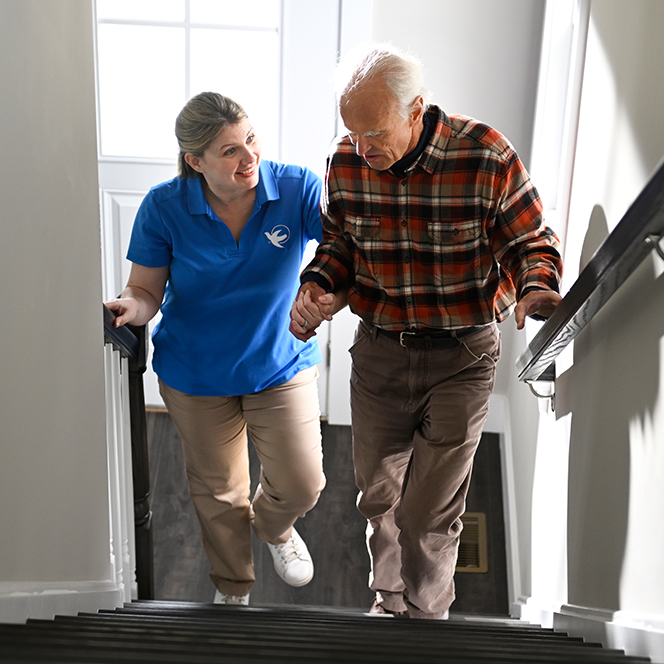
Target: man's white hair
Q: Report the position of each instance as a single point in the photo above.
(401, 72)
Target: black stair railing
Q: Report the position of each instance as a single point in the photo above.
(132, 343)
(636, 235)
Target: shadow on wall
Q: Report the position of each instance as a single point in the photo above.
(614, 378)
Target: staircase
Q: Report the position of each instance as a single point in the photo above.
(193, 633)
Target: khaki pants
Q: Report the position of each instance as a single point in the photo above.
(417, 419)
(284, 425)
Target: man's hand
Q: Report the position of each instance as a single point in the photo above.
(542, 302)
(312, 306)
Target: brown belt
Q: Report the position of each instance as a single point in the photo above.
(427, 340)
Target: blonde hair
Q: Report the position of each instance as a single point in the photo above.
(199, 123)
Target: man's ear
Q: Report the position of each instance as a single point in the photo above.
(417, 109)
(193, 161)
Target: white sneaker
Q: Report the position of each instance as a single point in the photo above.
(293, 561)
(238, 600)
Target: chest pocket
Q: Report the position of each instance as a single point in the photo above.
(462, 234)
(374, 247)
(361, 227)
(457, 255)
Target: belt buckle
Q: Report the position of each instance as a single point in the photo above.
(401, 337)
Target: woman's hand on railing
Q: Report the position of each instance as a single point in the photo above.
(142, 297)
(535, 302)
(125, 310)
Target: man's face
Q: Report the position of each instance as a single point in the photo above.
(376, 128)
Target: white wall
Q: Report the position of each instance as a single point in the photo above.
(54, 523)
(480, 57)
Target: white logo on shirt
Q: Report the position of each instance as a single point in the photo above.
(279, 236)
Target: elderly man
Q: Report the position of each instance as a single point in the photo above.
(434, 231)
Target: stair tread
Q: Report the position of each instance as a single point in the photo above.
(158, 631)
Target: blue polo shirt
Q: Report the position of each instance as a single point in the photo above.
(225, 315)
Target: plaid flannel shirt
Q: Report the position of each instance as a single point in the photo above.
(447, 245)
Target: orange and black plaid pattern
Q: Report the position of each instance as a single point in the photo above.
(447, 245)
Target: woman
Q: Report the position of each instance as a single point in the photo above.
(221, 245)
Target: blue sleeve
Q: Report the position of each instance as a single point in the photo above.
(150, 243)
(311, 193)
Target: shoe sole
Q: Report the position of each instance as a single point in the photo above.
(296, 585)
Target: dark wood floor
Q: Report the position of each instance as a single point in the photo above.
(334, 531)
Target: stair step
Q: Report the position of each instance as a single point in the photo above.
(145, 632)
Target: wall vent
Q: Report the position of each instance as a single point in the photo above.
(473, 555)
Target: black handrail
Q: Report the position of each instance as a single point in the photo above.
(132, 343)
(637, 233)
(122, 338)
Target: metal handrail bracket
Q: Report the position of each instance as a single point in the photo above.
(635, 236)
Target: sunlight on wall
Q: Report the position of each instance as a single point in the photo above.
(554, 115)
(610, 165)
(549, 519)
(645, 536)
(598, 110)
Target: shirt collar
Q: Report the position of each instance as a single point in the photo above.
(409, 160)
(195, 197)
(433, 141)
(430, 158)
(267, 189)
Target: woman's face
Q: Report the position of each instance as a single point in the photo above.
(230, 163)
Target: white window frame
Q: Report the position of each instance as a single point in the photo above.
(557, 107)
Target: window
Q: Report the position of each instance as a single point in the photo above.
(153, 55)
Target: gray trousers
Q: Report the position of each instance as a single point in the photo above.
(417, 418)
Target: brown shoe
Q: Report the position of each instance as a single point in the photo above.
(379, 610)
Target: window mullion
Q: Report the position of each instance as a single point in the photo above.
(280, 89)
(187, 50)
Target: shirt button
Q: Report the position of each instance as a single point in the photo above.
(409, 299)
(406, 258)
(404, 223)
(403, 183)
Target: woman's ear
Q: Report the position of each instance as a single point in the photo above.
(193, 161)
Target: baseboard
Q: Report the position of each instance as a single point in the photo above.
(528, 610)
(635, 634)
(497, 415)
(20, 601)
